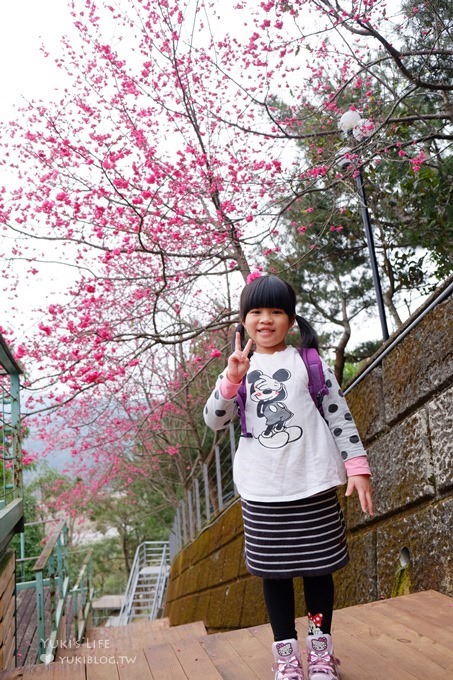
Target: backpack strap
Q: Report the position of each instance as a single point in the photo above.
(241, 396)
(316, 381)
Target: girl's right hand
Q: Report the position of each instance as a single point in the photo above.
(239, 362)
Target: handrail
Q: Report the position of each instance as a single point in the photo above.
(161, 583)
(437, 297)
(124, 614)
(53, 560)
(51, 543)
(149, 571)
(11, 491)
(83, 592)
(208, 495)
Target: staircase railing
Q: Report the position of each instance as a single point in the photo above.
(208, 494)
(51, 584)
(82, 598)
(11, 488)
(61, 612)
(145, 590)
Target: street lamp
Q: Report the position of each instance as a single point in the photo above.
(353, 125)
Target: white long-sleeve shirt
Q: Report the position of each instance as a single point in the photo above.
(293, 452)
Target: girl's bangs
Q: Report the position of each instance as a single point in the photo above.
(268, 291)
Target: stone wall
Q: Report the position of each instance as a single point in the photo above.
(403, 411)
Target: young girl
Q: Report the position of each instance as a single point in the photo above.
(286, 471)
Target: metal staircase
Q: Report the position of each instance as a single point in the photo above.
(147, 583)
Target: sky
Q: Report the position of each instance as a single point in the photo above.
(25, 72)
(24, 27)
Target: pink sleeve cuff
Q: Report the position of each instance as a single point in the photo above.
(228, 389)
(357, 466)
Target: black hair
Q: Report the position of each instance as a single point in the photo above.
(270, 291)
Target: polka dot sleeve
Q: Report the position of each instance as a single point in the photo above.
(219, 411)
(340, 420)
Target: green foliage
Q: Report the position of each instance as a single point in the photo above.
(107, 564)
(30, 541)
(138, 514)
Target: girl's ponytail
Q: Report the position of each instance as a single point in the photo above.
(308, 333)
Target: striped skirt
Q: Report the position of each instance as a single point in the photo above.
(306, 537)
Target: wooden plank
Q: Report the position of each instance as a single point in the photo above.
(416, 644)
(140, 633)
(9, 639)
(64, 671)
(16, 674)
(227, 659)
(417, 613)
(359, 660)
(399, 654)
(98, 669)
(133, 666)
(163, 663)
(195, 661)
(256, 655)
(185, 631)
(131, 663)
(42, 670)
(26, 625)
(8, 586)
(406, 638)
(7, 571)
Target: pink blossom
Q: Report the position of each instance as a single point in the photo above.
(253, 275)
(20, 352)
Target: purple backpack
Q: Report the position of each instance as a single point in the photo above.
(316, 385)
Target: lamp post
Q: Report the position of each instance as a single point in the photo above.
(352, 124)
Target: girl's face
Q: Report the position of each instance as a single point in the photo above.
(268, 327)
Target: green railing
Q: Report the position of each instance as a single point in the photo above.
(51, 584)
(11, 505)
(82, 598)
(62, 612)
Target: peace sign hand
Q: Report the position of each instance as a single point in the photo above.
(239, 362)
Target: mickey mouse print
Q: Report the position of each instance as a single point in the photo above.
(269, 394)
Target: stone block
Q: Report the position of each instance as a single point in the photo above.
(231, 523)
(441, 429)
(402, 469)
(213, 568)
(178, 613)
(214, 617)
(367, 405)
(420, 543)
(232, 559)
(356, 583)
(234, 597)
(177, 565)
(201, 609)
(420, 364)
(253, 607)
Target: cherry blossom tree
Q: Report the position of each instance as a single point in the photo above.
(160, 176)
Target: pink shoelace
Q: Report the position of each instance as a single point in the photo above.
(326, 664)
(288, 669)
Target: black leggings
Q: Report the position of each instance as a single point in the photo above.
(279, 599)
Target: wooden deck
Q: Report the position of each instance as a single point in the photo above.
(405, 638)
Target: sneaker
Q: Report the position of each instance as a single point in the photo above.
(322, 665)
(287, 661)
